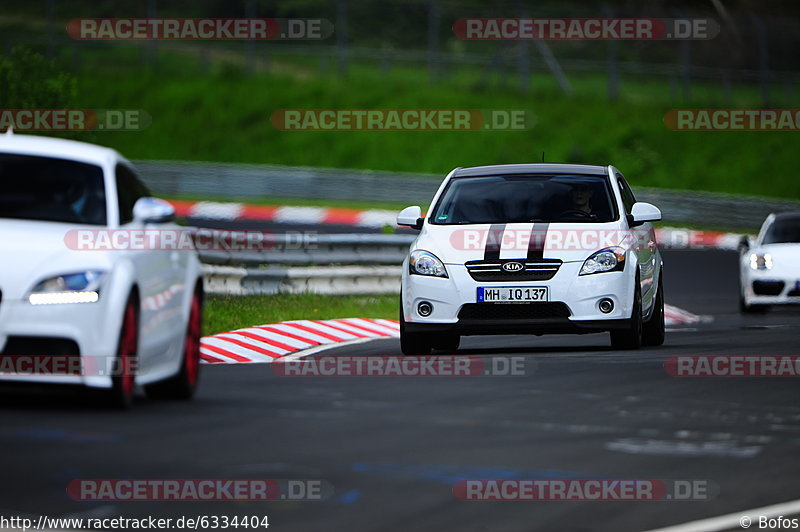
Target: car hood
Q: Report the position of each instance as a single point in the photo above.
(569, 242)
(788, 253)
(35, 250)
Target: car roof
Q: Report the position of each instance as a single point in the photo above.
(58, 148)
(787, 215)
(531, 168)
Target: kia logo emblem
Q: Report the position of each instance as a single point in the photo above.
(513, 266)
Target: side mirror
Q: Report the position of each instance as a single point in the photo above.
(643, 212)
(153, 211)
(411, 217)
(744, 244)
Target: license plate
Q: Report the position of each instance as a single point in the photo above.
(511, 294)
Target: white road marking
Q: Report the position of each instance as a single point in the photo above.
(217, 211)
(314, 350)
(302, 215)
(733, 521)
(682, 448)
(376, 218)
(381, 329)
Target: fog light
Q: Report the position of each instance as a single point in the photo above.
(606, 305)
(424, 309)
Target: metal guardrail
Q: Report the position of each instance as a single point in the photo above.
(355, 263)
(318, 250)
(241, 181)
(324, 264)
(338, 280)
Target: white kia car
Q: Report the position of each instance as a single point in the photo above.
(768, 270)
(532, 249)
(81, 302)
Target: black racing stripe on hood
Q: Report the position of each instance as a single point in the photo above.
(537, 241)
(494, 241)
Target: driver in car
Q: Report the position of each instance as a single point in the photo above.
(581, 197)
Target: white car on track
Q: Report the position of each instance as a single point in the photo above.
(532, 249)
(768, 270)
(108, 318)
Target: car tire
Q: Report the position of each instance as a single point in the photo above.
(745, 308)
(183, 385)
(654, 329)
(413, 344)
(446, 342)
(123, 380)
(631, 337)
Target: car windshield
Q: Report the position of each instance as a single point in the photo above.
(525, 198)
(783, 231)
(54, 190)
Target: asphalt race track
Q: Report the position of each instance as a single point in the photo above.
(394, 447)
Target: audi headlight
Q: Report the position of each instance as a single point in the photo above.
(760, 261)
(425, 263)
(82, 287)
(605, 260)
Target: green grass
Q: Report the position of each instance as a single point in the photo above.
(226, 313)
(223, 115)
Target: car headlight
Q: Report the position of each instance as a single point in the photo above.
(605, 260)
(82, 287)
(425, 263)
(760, 261)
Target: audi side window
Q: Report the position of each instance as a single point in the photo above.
(129, 190)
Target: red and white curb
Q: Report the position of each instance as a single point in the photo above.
(371, 218)
(677, 316)
(668, 237)
(265, 343)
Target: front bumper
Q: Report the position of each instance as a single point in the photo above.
(771, 287)
(545, 326)
(578, 295)
(92, 327)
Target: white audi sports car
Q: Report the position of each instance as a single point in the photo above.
(532, 249)
(768, 270)
(83, 299)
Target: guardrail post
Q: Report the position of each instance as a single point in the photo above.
(341, 37)
(763, 54)
(433, 41)
(611, 61)
(249, 44)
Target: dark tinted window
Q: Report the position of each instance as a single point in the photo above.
(48, 189)
(525, 198)
(628, 199)
(783, 230)
(129, 190)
